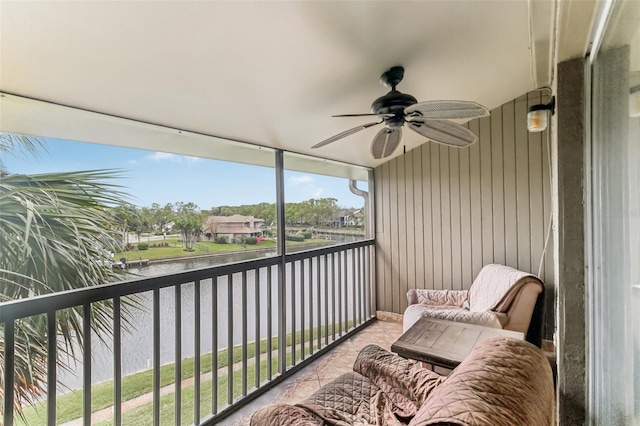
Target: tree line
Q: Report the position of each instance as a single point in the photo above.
(188, 217)
(312, 212)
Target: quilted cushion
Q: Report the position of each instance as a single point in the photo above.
(350, 399)
(438, 297)
(502, 382)
(405, 383)
(284, 414)
(414, 312)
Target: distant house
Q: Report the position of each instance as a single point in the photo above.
(233, 227)
(355, 218)
(348, 217)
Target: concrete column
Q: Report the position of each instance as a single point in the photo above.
(570, 242)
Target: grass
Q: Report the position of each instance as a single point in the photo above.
(143, 415)
(69, 406)
(175, 248)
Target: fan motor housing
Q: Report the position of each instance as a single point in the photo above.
(393, 102)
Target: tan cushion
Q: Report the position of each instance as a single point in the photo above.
(522, 306)
(281, 414)
(502, 382)
(414, 312)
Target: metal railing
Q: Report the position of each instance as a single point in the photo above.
(237, 329)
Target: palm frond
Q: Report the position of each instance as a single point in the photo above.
(18, 144)
(56, 232)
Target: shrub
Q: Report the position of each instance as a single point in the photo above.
(295, 237)
(251, 240)
(221, 240)
(143, 246)
(307, 234)
(268, 233)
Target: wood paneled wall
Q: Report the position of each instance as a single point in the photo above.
(442, 212)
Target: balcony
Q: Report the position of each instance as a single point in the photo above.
(280, 315)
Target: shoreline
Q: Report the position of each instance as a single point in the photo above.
(141, 262)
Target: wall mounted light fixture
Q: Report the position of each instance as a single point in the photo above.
(634, 101)
(538, 115)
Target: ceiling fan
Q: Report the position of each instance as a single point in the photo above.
(430, 118)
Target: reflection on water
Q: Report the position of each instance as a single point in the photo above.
(137, 340)
(166, 268)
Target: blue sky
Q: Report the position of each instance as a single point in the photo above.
(156, 177)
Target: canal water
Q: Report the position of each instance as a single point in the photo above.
(137, 336)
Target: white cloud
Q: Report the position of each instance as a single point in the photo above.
(306, 186)
(300, 180)
(160, 156)
(132, 162)
(165, 156)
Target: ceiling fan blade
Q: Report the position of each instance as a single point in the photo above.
(344, 134)
(445, 132)
(446, 110)
(364, 115)
(385, 142)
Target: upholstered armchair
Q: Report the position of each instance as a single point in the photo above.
(500, 297)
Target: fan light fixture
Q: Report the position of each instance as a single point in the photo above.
(634, 101)
(538, 116)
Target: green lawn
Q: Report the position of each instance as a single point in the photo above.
(143, 415)
(69, 406)
(175, 248)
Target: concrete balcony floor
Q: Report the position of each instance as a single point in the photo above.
(336, 362)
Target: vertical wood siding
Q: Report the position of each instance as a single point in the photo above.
(442, 213)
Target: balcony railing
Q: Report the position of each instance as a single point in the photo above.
(248, 325)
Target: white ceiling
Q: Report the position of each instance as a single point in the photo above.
(269, 73)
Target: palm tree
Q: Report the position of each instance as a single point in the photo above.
(55, 235)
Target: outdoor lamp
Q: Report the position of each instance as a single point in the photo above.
(634, 101)
(538, 115)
